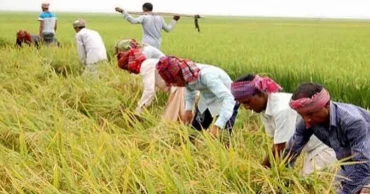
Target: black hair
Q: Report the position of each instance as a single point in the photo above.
(148, 6)
(306, 90)
(248, 77)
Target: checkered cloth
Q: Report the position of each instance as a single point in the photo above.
(315, 103)
(258, 84)
(169, 67)
(131, 60)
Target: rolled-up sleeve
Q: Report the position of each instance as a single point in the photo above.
(132, 20)
(297, 142)
(168, 27)
(190, 96)
(358, 174)
(80, 48)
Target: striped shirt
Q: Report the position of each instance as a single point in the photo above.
(349, 135)
(49, 20)
(152, 26)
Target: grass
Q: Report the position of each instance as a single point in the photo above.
(60, 133)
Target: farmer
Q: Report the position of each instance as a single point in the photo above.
(344, 127)
(135, 61)
(196, 17)
(261, 95)
(152, 24)
(25, 37)
(90, 47)
(213, 84)
(48, 24)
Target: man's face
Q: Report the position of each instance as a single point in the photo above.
(315, 118)
(257, 102)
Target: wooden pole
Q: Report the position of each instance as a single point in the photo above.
(162, 13)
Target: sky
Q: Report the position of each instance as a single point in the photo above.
(276, 8)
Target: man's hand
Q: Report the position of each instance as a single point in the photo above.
(214, 131)
(188, 117)
(176, 17)
(118, 9)
(266, 162)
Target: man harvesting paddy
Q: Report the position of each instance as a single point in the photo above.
(141, 59)
(343, 127)
(263, 96)
(90, 47)
(213, 84)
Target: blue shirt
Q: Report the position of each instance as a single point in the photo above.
(214, 86)
(349, 135)
(49, 22)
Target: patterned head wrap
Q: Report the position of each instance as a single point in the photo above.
(24, 36)
(169, 66)
(127, 44)
(313, 104)
(131, 60)
(258, 84)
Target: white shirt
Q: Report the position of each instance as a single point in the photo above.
(280, 122)
(90, 46)
(152, 27)
(151, 52)
(151, 80)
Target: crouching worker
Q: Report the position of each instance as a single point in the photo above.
(343, 127)
(135, 61)
(213, 84)
(262, 95)
(90, 47)
(28, 39)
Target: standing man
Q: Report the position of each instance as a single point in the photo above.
(152, 24)
(213, 84)
(263, 96)
(90, 46)
(344, 127)
(48, 24)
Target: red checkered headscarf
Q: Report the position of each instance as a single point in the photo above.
(169, 67)
(131, 60)
(24, 36)
(313, 104)
(258, 84)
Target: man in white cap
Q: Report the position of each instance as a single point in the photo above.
(152, 24)
(48, 24)
(90, 46)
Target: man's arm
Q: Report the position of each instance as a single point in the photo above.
(41, 19)
(132, 20)
(359, 173)
(41, 28)
(285, 123)
(56, 25)
(80, 48)
(223, 93)
(276, 151)
(190, 96)
(297, 142)
(18, 43)
(168, 27)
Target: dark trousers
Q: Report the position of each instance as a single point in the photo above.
(203, 121)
